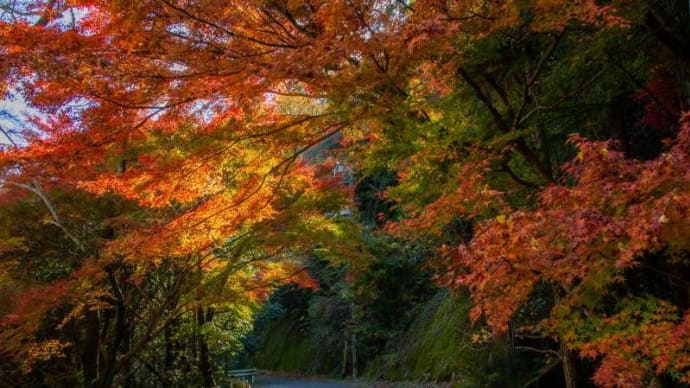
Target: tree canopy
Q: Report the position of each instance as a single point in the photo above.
(185, 157)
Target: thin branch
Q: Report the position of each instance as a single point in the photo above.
(221, 28)
(544, 108)
(537, 350)
(46, 15)
(530, 81)
(405, 5)
(643, 87)
(517, 179)
(498, 118)
(36, 189)
(7, 135)
(544, 370)
(501, 93)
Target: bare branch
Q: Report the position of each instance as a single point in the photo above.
(36, 189)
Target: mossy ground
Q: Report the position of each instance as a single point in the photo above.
(286, 347)
(438, 346)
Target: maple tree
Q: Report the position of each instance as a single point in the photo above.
(208, 185)
(497, 167)
(201, 118)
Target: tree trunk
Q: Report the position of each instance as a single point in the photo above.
(90, 355)
(111, 365)
(567, 361)
(353, 340)
(354, 356)
(569, 373)
(127, 363)
(344, 364)
(204, 355)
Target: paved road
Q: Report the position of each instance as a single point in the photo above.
(273, 381)
(264, 381)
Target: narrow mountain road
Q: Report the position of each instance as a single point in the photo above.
(266, 381)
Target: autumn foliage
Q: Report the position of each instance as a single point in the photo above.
(583, 238)
(182, 155)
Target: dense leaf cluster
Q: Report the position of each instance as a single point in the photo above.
(185, 158)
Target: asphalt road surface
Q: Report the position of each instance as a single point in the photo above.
(265, 381)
